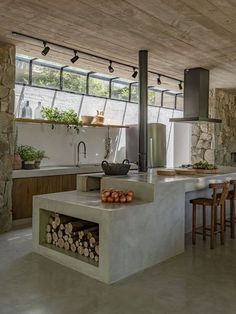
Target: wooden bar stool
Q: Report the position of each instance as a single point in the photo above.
(232, 198)
(212, 203)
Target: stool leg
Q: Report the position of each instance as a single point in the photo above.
(232, 218)
(194, 225)
(222, 223)
(213, 211)
(204, 221)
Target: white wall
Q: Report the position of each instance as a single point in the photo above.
(60, 144)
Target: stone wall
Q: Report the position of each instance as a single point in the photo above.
(215, 142)
(7, 98)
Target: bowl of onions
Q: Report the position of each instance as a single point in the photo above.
(116, 196)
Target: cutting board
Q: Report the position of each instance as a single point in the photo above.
(203, 171)
(166, 172)
(185, 171)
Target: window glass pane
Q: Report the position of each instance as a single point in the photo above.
(180, 103)
(65, 101)
(119, 91)
(22, 72)
(98, 87)
(152, 114)
(90, 105)
(74, 82)
(168, 101)
(134, 93)
(152, 97)
(45, 76)
(131, 114)
(114, 112)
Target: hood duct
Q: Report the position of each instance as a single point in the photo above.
(196, 97)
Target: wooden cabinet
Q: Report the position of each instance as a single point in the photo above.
(25, 188)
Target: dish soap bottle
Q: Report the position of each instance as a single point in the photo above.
(26, 110)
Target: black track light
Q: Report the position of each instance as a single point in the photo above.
(75, 58)
(180, 85)
(110, 68)
(135, 72)
(159, 79)
(46, 49)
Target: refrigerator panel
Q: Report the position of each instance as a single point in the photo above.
(156, 144)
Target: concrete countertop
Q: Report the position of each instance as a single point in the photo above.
(59, 170)
(87, 199)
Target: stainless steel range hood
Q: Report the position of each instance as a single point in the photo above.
(196, 97)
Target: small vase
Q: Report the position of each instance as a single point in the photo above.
(17, 162)
(29, 165)
(37, 164)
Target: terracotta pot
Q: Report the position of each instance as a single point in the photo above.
(17, 162)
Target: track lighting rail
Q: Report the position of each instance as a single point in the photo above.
(77, 53)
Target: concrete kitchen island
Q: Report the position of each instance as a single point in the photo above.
(132, 236)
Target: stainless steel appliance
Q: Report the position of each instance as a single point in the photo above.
(156, 144)
(196, 97)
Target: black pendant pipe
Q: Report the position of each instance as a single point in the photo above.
(143, 110)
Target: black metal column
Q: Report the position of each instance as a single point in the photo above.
(143, 110)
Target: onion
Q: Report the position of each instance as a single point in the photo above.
(117, 200)
(130, 193)
(107, 193)
(104, 199)
(129, 198)
(123, 199)
(110, 199)
(114, 194)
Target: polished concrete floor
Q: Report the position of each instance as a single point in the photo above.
(199, 281)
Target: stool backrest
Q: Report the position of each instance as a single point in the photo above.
(224, 187)
(233, 182)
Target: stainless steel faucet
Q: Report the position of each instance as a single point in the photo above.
(78, 151)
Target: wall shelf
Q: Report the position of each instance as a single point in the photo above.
(41, 121)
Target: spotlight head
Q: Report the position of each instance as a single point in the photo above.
(159, 80)
(110, 68)
(135, 73)
(180, 85)
(75, 58)
(46, 49)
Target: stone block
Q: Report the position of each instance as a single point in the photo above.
(4, 93)
(6, 123)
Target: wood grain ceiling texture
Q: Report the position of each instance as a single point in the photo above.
(178, 34)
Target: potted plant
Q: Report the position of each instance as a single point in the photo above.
(40, 154)
(28, 156)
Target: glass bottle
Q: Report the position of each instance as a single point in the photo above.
(37, 111)
(26, 110)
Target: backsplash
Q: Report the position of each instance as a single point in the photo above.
(60, 144)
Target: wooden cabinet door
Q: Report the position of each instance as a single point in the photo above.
(22, 192)
(69, 182)
(50, 184)
(24, 189)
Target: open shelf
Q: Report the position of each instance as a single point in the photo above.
(41, 121)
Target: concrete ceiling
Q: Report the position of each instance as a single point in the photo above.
(177, 34)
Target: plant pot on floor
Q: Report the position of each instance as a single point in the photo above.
(29, 165)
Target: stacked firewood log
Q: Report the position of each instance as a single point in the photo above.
(72, 234)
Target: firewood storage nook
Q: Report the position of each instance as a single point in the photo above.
(62, 220)
(76, 237)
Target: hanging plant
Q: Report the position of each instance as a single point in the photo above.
(68, 117)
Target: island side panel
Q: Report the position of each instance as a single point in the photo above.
(144, 235)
